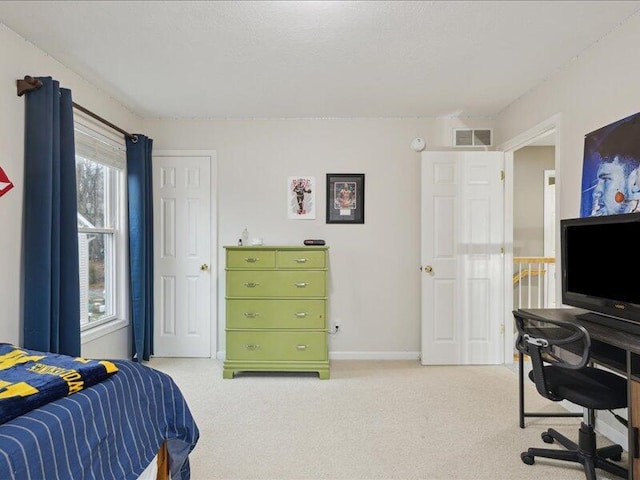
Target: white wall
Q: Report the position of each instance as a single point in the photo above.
(374, 268)
(374, 280)
(19, 58)
(597, 88)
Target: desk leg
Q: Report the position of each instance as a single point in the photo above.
(634, 414)
(521, 388)
(521, 412)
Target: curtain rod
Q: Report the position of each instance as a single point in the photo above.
(29, 83)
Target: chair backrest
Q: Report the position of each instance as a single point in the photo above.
(552, 342)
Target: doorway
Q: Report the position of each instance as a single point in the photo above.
(531, 203)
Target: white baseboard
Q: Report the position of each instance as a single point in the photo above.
(374, 355)
(359, 355)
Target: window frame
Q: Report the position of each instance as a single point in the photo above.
(117, 191)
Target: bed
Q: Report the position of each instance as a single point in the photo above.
(115, 429)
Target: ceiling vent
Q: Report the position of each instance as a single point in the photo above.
(466, 137)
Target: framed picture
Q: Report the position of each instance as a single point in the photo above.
(345, 197)
(301, 198)
(611, 169)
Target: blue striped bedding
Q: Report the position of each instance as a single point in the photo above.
(112, 430)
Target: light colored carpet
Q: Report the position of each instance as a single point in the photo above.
(372, 420)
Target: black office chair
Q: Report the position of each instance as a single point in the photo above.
(559, 354)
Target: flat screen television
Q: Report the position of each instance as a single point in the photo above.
(599, 268)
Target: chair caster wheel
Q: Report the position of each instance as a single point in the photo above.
(546, 438)
(527, 458)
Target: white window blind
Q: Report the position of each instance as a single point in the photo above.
(95, 145)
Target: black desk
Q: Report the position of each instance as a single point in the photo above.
(612, 348)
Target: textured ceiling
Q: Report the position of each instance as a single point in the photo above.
(281, 59)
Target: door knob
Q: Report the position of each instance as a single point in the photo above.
(204, 267)
(428, 269)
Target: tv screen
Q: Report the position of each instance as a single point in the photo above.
(599, 263)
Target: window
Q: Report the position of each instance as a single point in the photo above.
(100, 177)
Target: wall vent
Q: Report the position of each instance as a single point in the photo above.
(466, 137)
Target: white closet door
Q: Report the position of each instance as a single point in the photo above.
(182, 256)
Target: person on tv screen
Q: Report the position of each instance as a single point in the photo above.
(618, 187)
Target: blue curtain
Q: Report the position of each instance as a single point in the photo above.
(51, 293)
(140, 196)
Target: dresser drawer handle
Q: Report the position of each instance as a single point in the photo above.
(301, 314)
(302, 347)
(251, 314)
(251, 259)
(301, 284)
(251, 284)
(302, 260)
(252, 347)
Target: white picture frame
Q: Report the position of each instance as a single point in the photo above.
(301, 197)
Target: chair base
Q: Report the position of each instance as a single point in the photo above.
(585, 452)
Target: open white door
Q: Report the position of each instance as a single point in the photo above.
(182, 255)
(462, 234)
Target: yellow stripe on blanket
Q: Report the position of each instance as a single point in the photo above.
(20, 389)
(30, 379)
(17, 357)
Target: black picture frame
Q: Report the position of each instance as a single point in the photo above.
(345, 198)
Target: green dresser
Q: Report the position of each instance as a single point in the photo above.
(276, 310)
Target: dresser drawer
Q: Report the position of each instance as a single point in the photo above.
(276, 346)
(296, 314)
(251, 258)
(301, 259)
(276, 283)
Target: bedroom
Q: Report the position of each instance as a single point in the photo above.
(597, 87)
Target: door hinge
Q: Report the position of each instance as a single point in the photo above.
(501, 174)
(502, 329)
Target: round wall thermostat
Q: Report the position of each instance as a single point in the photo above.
(418, 145)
